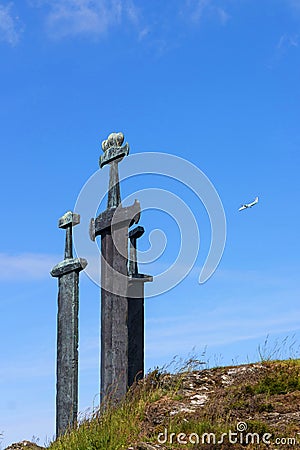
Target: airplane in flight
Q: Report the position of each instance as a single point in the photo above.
(249, 205)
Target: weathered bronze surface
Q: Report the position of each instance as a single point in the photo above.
(67, 273)
(136, 314)
(114, 248)
(134, 234)
(122, 296)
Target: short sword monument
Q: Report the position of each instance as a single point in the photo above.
(67, 273)
(135, 311)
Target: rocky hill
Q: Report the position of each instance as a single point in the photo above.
(24, 445)
(253, 406)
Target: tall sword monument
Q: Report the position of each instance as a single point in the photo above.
(112, 225)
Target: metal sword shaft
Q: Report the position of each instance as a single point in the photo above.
(67, 273)
(68, 245)
(133, 236)
(114, 195)
(67, 353)
(114, 304)
(113, 322)
(135, 311)
(112, 156)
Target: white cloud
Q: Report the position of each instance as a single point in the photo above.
(87, 17)
(195, 10)
(222, 14)
(20, 370)
(95, 18)
(9, 30)
(27, 266)
(287, 43)
(288, 40)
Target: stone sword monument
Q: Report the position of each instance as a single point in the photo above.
(67, 273)
(135, 311)
(112, 225)
(122, 286)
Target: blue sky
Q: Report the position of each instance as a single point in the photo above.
(215, 82)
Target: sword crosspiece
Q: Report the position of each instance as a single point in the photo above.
(67, 273)
(135, 311)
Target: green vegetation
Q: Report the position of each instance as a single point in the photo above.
(117, 426)
(149, 407)
(284, 380)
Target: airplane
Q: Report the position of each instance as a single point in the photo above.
(249, 205)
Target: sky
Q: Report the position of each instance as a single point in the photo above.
(213, 82)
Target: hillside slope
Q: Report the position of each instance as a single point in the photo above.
(253, 406)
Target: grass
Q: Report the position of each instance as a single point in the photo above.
(117, 426)
(111, 430)
(285, 380)
(278, 350)
(140, 417)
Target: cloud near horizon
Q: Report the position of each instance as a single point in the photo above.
(27, 266)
